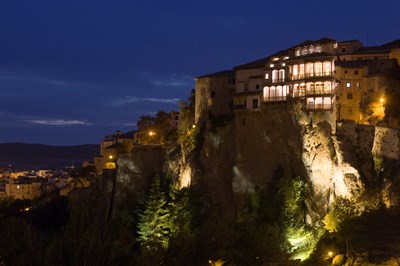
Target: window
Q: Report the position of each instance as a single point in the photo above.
(255, 103)
(348, 84)
(358, 84)
(246, 86)
(271, 65)
(212, 94)
(345, 71)
(275, 59)
(355, 72)
(349, 96)
(267, 76)
(257, 87)
(343, 49)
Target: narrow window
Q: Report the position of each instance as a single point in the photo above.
(355, 72)
(255, 103)
(349, 96)
(348, 84)
(212, 94)
(246, 86)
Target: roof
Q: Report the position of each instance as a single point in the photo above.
(254, 64)
(224, 73)
(355, 40)
(320, 41)
(392, 44)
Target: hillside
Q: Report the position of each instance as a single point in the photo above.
(39, 156)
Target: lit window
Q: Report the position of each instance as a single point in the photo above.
(358, 84)
(267, 76)
(271, 65)
(283, 64)
(335, 45)
(286, 57)
(276, 59)
(318, 49)
(348, 84)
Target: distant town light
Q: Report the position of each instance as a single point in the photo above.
(110, 156)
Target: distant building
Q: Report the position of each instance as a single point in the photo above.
(111, 147)
(214, 94)
(24, 188)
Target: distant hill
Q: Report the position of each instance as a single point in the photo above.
(24, 155)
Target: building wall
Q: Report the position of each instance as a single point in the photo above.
(24, 191)
(248, 79)
(213, 96)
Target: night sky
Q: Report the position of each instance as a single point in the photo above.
(72, 72)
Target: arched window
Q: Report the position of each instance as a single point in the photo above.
(274, 76)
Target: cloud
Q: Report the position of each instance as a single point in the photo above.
(57, 122)
(173, 81)
(134, 99)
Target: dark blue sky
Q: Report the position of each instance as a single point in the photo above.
(74, 71)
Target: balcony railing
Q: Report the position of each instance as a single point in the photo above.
(310, 75)
(319, 106)
(319, 91)
(275, 99)
(278, 80)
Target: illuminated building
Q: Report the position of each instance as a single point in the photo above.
(110, 148)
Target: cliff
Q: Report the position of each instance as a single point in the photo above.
(242, 155)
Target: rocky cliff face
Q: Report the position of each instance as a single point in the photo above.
(256, 147)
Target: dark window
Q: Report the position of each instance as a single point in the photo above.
(255, 103)
(257, 87)
(349, 96)
(213, 94)
(345, 71)
(343, 49)
(246, 86)
(355, 72)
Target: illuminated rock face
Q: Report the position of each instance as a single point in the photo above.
(329, 173)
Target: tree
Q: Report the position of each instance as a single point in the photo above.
(154, 226)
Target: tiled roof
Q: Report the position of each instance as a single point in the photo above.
(254, 64)
(224, 73)
(320, 41)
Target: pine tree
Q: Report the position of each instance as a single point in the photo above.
(154, 223)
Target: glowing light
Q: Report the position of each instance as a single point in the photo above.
(382, 100)
(152, 133)
(271, 65)
(17, 186)
(276, 59)
(286, 57)
(283, 64)
(194, 126)
(27, 209)
(110, 156)
(330, 254)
